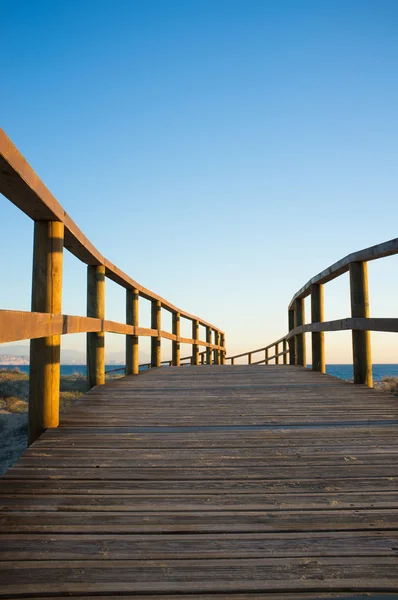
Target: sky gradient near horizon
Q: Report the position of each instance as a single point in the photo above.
(219, 152)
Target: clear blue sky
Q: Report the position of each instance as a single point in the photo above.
(219, 152)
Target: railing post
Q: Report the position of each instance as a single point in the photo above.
(208, 349)
(317, 337)
(266, 356)
(249, 358)
(176, 344)
(95, 341)
(195, 347)
(232, 361)
(276, 354)
(300, 338)
(44, 378)
(216, 352)
(222, 343)
(284, 346)
(292, 340)
(202, 358)
(132, 303)
(361, 348)
(156, 357)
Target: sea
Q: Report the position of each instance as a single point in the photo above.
(341, 371)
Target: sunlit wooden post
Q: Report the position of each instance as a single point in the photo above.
(284, 346)
(195, 347)
(208, 349)
(232, 361)
(176, 344)
(300, 338)
(44, 378)
(95, 341)
(276, 354)
(249, 358)
(362, 357)
(222, 343)
(292, 340)
(202, 358)
(132, 303)
(216, 351)
(156, 357)
(317, 337)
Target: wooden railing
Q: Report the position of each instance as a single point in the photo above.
(277, 356)
(54, 230)
(359, 322)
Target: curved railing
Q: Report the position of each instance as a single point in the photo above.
(54, 230)
(359, 322)
(267, 358)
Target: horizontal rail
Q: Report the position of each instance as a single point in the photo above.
(257, 350)
(20, 184)
(115, 370)
(360, 324)
(279, 354)
(260, 362)
(265, 349)
(22, 325)
(342, 266)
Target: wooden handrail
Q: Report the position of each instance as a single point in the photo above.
(257, 350)
(54, 230)
(360, 323)
(265, 349)
(343, 266)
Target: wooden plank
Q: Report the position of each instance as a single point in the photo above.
(41, 547)
(212, 575)
(197, 502)
(119, 487)
(198, 521)
(238, 596)
(211, 480)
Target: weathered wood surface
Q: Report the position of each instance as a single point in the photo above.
(209, 482)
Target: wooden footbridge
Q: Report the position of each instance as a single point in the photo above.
(242, 481)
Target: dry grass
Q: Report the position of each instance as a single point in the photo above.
(388, 385)
(14, 393)
(14, 390)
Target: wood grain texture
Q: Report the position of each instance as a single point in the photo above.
(317, 337)
(208, 482)
(96, 341)
(361, 350)
(45, 352)
(132, 341)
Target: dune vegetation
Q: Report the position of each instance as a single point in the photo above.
(14, 395)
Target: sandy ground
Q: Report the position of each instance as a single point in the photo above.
(13, 438)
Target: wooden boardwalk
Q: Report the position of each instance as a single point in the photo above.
(208, 482)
